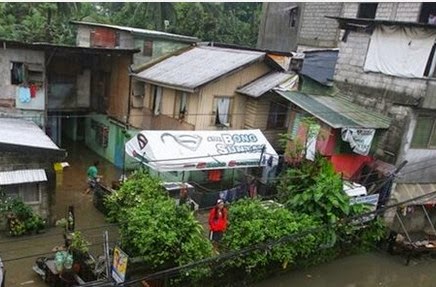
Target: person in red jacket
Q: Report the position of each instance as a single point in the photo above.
(217, 222)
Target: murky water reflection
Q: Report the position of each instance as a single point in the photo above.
(366, 270)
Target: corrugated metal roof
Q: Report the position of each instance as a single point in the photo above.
(337, 112)
(408, 191)
(22, 176)
(64, 48)
(198, 66)
(145, 32)
(24, 133)
(263, 84)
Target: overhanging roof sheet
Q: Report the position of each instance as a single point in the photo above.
(407, 191)
(198, 66)
(22, 176)
(20, 132)
(337, 112)
(320, 65)
(263, 84)
(201, 150)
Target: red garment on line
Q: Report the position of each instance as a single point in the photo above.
(33, 88)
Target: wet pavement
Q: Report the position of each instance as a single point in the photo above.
(19, 254)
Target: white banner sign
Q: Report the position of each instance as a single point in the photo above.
(201, 150)
(371, 200)
(360, 139)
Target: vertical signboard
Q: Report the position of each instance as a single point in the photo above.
(119, 265)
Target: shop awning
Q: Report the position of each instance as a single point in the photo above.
(22, 176)
(337, 112)
(201, 150)
(408, 191)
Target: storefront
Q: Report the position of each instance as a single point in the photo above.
(226, 161)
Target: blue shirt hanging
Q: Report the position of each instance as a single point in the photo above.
(24, 94)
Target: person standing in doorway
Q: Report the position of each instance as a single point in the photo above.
(217, 223)
(93, 177)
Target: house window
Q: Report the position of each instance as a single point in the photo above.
(222, 111)
(367, 10)
(147, 49)
(18, 73)
(428, 13)
(28, 192)
(425, 133)
(180, 105)
(157, 100)
(277, 116)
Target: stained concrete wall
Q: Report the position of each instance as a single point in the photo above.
(8, 92)
(275, 31)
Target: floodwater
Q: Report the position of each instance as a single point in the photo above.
(19, 254)
(366, 270)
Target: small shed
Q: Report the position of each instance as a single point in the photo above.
(27, 157)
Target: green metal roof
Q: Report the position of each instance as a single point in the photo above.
(337, 112)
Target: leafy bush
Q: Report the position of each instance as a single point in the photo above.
(20, 216)
(138, 189)
(280, 231)
(155, 229)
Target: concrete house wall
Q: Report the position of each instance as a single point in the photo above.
(9, 101)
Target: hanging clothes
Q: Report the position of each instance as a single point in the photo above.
(24, 94)
(33, 89)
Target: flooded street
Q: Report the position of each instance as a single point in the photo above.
(19, 254)
(366, 270)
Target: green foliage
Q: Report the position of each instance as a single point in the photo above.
(78, 243)
(156, 229)
(138, 189)
(49, 22)
(277, 228)
(20, 216)
(314, 188)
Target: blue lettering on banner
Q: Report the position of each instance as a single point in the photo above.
(236, 143)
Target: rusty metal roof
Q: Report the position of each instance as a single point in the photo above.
(198, 66)
(22, 176)
(265, 83)
(24, 133)
(337, 111)
(143, 32)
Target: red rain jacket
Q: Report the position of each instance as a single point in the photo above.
(219, 223)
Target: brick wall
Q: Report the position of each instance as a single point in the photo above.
(408, 11)
(316, 30)
(386, 11)
(350, 10)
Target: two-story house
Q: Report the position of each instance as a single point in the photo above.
(151, 46)
(213, 88)
(58, 88)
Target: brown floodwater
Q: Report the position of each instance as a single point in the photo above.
(19, 254)
(365, 270)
